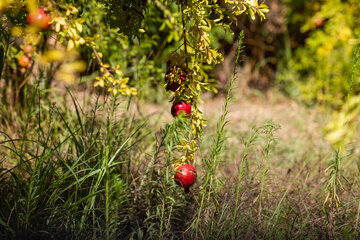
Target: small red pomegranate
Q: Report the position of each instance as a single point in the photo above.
(24, 61)
(180, 106)
(174, 85)
(185, 176)
(39, 18)
(28, 49)
(319, 22)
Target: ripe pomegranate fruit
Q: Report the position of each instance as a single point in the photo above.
(180, 106)
(24, 61)
(319, 22)
(28, 49)
(39, 18)
(185, 176)
(171, 84)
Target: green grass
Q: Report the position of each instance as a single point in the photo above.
(97, 169)
(75, 173)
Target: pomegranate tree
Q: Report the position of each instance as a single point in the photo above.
(187, 76)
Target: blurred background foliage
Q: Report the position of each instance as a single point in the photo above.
(321, 63)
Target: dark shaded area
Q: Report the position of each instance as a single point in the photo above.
(267, 43)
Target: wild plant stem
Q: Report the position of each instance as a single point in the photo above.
(220, 135)
(107, 191)
(266, 155)
(163, 202)
(241, 170)
(184, 32)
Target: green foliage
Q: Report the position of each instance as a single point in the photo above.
(343, 126)
(322, 67)
(125, 15)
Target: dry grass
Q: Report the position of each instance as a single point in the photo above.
(290, 185)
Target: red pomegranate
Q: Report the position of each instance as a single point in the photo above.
(24, 61)
(28, 49)
(319, 22)
(39, 18)
(173, 86)
(180, 106)
(185, 176)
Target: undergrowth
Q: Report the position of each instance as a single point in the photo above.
(99, 170)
